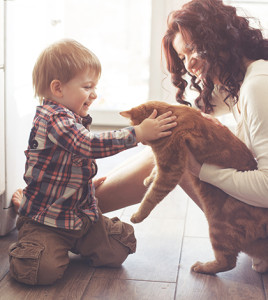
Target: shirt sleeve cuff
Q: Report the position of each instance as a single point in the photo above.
(207, 172)
(131, 140)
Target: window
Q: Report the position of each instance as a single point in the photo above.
(118, 32)
(253, 9)
(125, 35)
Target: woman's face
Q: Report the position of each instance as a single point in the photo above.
(193, 63)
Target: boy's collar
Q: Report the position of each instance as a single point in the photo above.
(84, 120)
(50, 101)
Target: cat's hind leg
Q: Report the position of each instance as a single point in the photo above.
(225, 248)
(258, 250)
(223, 262)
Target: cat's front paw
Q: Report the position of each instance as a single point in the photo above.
(135, 218)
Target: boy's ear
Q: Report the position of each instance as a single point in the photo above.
(56, 88)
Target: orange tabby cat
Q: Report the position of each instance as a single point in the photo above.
(233, 225)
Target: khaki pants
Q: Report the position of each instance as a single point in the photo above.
(41, 257)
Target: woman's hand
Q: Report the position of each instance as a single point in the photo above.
(97, 182)
(154, 127)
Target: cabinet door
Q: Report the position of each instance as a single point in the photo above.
(29, 27)
(1, 32)
(2, 135)
(2, 107)
(32, 30)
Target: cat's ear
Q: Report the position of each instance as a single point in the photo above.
(125, 114)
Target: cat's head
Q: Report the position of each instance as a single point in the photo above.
(139, 113)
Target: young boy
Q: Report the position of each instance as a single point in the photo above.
(59, 211)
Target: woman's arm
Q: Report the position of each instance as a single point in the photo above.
(252, 186)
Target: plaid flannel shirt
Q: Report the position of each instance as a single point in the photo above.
(60, 165)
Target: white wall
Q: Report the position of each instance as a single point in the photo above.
(28, 31)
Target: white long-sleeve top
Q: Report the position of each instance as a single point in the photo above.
(250, 187)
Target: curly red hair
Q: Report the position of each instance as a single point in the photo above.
(214, 28)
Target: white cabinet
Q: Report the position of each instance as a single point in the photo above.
(2, 134)
(2, 107)
(29, 27)
(7, 215)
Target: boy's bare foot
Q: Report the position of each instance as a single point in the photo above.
(16, 199)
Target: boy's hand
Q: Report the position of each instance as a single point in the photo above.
(154, 128)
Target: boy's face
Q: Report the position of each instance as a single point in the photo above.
(79, 92)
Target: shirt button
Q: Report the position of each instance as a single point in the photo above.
(34, 144)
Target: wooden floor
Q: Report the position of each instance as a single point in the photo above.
(170, 240)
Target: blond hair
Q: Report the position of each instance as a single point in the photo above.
(62, 60)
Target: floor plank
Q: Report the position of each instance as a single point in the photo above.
(71, 286)
(196, 222)
(159, 243)
(115, 289)
(238, 284)
(157, 255)
(5, 242)
(265, 284)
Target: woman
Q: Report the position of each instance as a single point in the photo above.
(219, 50)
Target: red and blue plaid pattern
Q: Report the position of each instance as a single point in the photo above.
(60, 166)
